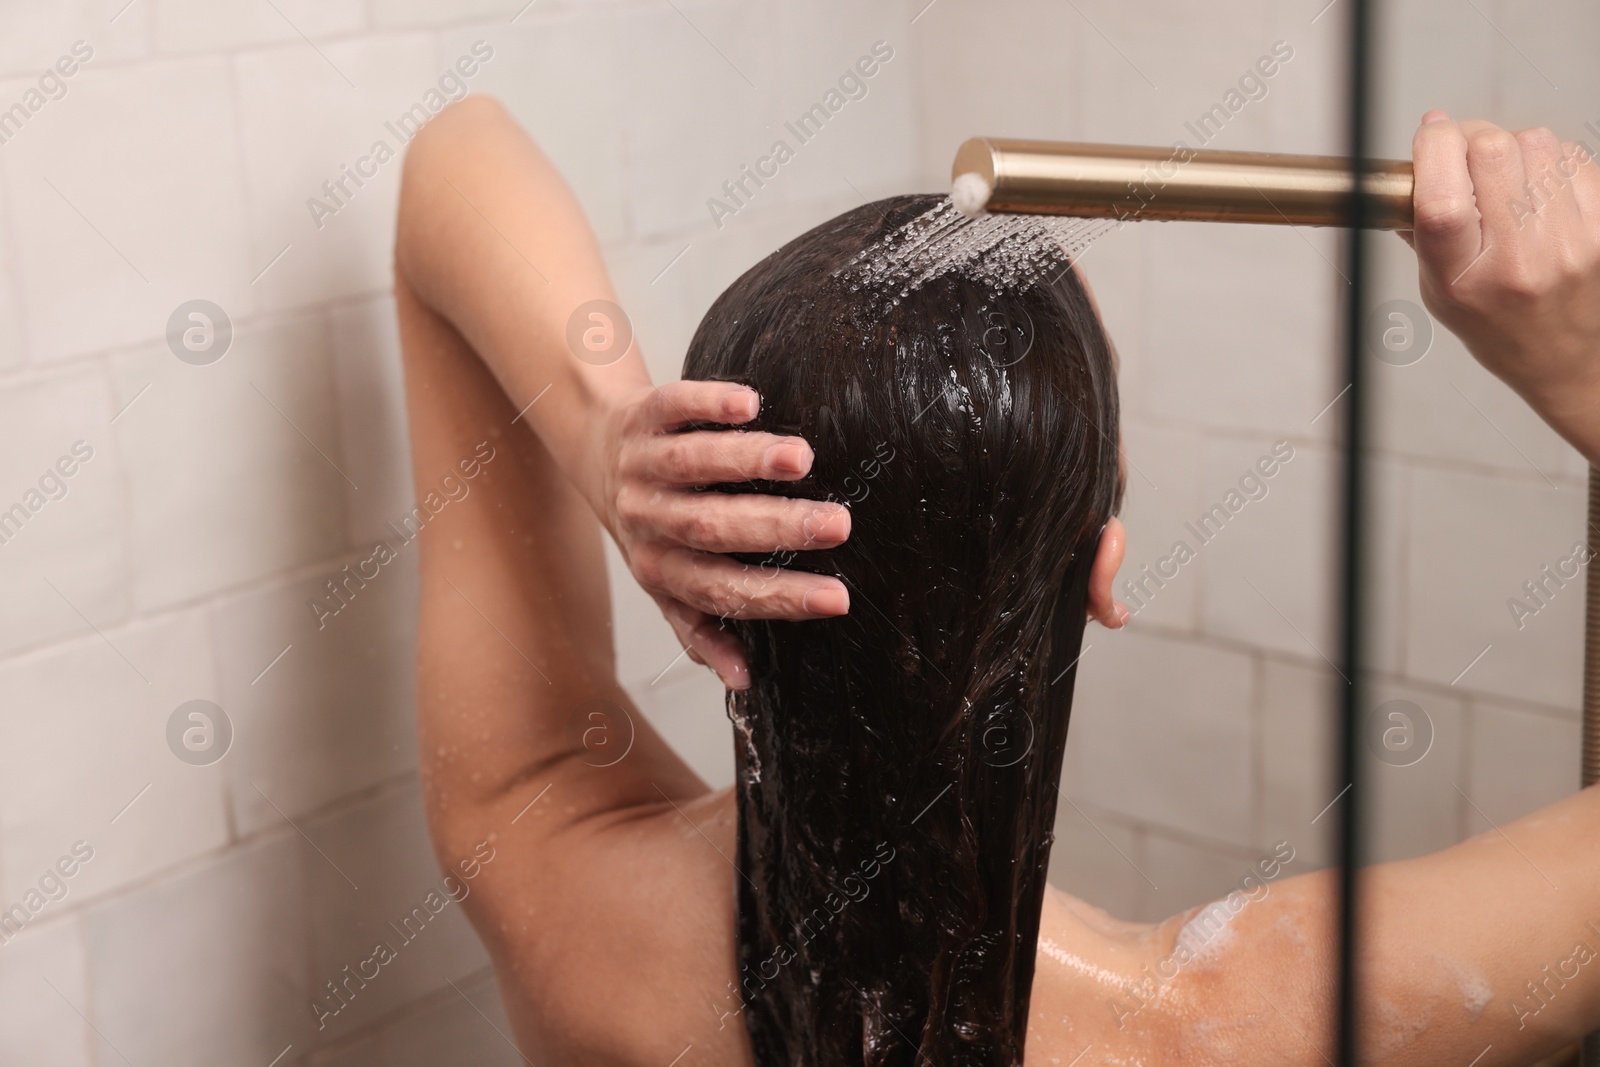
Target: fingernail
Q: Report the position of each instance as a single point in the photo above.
(1123, 615)
(786, 458)
(826, 602)
(820, 526)
(741, 405)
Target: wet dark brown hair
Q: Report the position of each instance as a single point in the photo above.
(897, 767)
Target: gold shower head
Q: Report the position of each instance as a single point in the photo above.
(1172, 184)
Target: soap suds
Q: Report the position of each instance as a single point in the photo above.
(1475, 991)
(1396, 1028)
(1208, 931)
(741, 726)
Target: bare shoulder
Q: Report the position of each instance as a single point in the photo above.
(1239, 980)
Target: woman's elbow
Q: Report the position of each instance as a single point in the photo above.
(446, 139)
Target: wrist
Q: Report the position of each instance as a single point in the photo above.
(1573, 411)
(601, 420)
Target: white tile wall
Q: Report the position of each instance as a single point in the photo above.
(958, 94)
(75, 542)
(1435, 58)
(387, 14)
(1187, 872)
(468, 1026)
(540, 65)
(209, 25)
(11, 328)
(1147, 69)
(1419, 807)
(1502, 735)
(1117, 270)
(1097, 857)
(335, 104)
(82, 733)
(1161, 733)
(661, 295)
(178, 166)
(381, 845)
(203, 967)
(39, 34)
(44, 979)
(1306, 108)
(1266, 579)
(1161, 495)
(373, 441)
(868, 144)
(1540, 59)
(260, 421)
(333, 716)
(1268, 314)
(118, 217)
(1297, 774)
(1463, 573)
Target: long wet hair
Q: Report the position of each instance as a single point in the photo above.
(898, 766)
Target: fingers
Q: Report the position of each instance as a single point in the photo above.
(727, 522)
(726, 588)
(707, 457)
(1108, 557)
(1529, 195)
(722, 652)
(707, 643)
(1448, 230)
(1585, 172)
(1494, 160)
(678, 404)
(719, 522)
(1547, 194)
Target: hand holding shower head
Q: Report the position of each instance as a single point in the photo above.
(1171, 184)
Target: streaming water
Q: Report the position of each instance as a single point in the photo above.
(1004, 251)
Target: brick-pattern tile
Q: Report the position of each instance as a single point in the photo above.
(179, 562)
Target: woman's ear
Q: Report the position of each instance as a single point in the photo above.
(1103, 608)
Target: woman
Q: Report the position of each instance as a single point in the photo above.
(611, 907)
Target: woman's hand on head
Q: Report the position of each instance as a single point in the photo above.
(1507, 234)
(674, 535)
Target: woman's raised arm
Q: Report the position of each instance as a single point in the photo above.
(491, 239)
